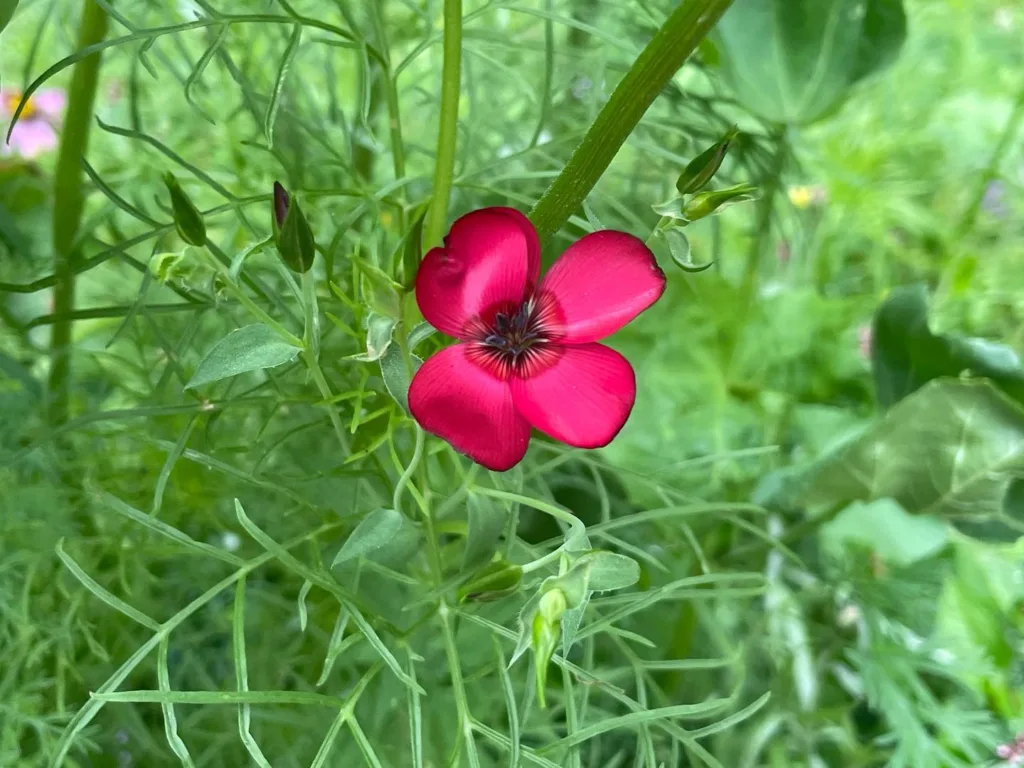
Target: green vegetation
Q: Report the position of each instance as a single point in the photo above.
(225, 542)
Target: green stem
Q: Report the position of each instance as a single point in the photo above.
(660, 60)
(549, 69)
(68, 201)
(1007, 137)
(444, 167)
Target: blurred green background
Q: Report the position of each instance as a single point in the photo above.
(819, 480)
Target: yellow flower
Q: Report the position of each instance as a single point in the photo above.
(801, 196)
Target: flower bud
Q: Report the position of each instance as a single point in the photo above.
(187, 218)
(547, 623)
(702, 168)
(292, 234)
(493, 582)
(706, 203)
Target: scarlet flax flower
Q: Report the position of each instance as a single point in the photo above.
(528, 356)
(34, 133)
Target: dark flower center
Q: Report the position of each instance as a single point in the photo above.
(512, 338)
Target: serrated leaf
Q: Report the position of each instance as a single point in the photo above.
(794, 61)
(251, 348)
(374, 531)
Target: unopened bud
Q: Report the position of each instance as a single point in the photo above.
(702, 168)
(187, 218)
(292, 234)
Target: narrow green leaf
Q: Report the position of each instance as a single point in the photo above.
(379, 332)
(609, 570)
(114, 602)
(282, 74)
(486, 521)
(242, 676)
(419, 334)
(250, 348)
(170, 721)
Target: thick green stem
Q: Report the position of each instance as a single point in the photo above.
(650, 73)
(444, 167)
(68, 200)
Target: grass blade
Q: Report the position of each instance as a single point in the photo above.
(114, 602)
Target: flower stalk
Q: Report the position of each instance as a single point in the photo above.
(444, 166)
(68, 201)
(678, 37)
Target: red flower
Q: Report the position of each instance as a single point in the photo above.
(528, 356)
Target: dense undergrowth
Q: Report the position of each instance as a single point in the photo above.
(819, 481)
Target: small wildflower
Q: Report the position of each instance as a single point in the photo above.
(35, 133)
(994, 200)
(581, 87)
(544, 137)
(848, 615)
(1004, 18)
(1013, 751)
(230, 541)
(864, 341)
(528, 356)
(783, 253)
(804, 196)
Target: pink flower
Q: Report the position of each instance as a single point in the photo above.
(34, 133)
(527, 355)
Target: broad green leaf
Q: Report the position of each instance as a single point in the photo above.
(7, 9)
(888, 530)
(609, 570)
(905, 354)
(373, 532)
(794, 61)
(397, 375)
(251, 348)
(951, 450)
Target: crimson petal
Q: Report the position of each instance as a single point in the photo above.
(599, 284)
(486, 260)
(582, 396)
(454, 398)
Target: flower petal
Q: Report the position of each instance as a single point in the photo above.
(50, 102)
(532, 241)
(599, 284)
(583, 397)
(485, 262)
(31, 138)
(459, 401)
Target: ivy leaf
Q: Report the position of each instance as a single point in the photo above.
(883, 526)
(905, 354)
(952, 450)
(251, 348)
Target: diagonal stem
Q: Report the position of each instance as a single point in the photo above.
(678, 37)
(444, 165)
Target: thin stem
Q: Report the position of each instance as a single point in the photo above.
(68, 201)
(549, 69)
(403, 481)
(458, 686)
(660, 60)
(1007, 137)
(444, 167)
